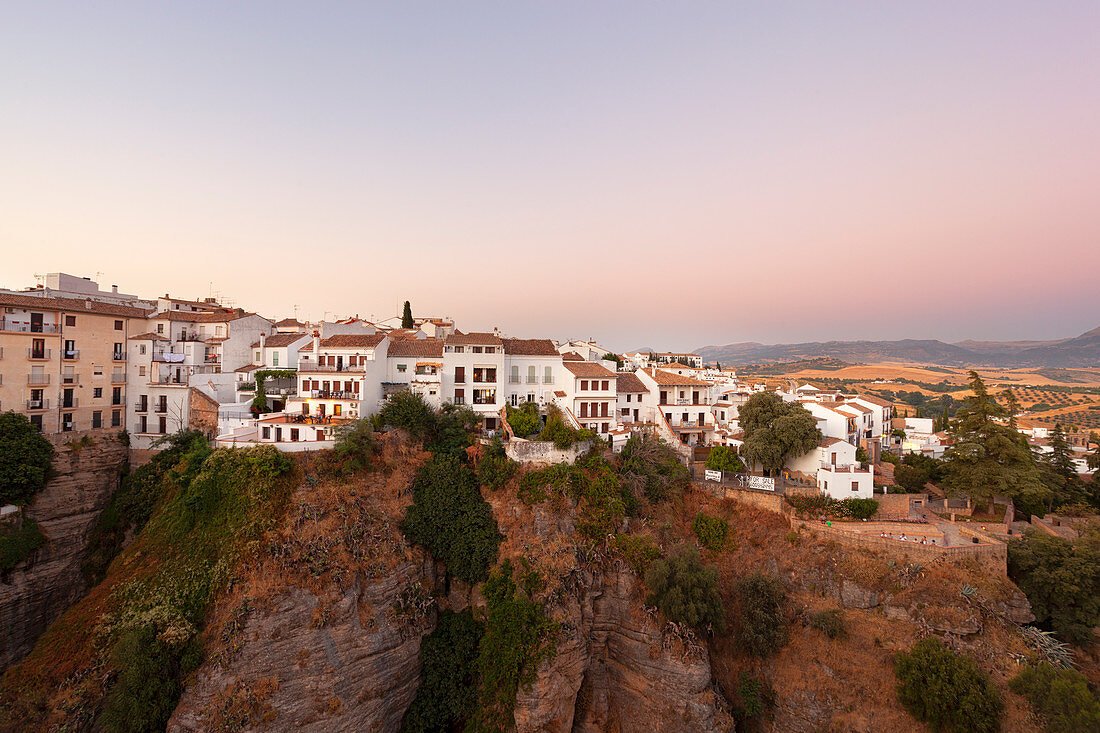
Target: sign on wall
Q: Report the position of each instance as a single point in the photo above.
(713, 475)
(760, 483)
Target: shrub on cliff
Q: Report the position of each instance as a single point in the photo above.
(763, 623)
(450, 518)
(1061, 696)
(24, 459)
(494, 467)
(518, 637)
(17, 544)
(685, 590)
(947, 690)
(524, 419)
(447, 695)
(724, 458)
(711, 532)
(1061, 580)
(651, 467)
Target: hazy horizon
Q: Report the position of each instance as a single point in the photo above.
(641, 173)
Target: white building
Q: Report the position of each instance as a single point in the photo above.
(418, 364)
(684, 403)
(589, 395)
(630, 399)
(473, 364)
(533, 368)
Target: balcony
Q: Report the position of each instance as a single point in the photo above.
(333, 394)
(212, 359)
(118, 356)
(160, 408)
(70, 379)
(38, 404)
(329, 368)
(547, 380)
(532, 380)
(12, 326)
(141, 406)
(38, 380)
(514, 380)
(70, 403)
(167, 357)
(118, 377)
(117, 401)
(39, 354)
(172, 379)
(70, 354)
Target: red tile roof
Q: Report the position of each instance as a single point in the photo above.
(416, 347)
(588, 369)
(629, 383)
(530, 347)
(288, 322)
(218, 316)
(70, 305)
(572, 356)
(668, 379)
(150, 336)
(475, 338)
(278, 340)
(353, 341)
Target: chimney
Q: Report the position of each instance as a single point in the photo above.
(87, 304)
(114, 289)
(263, 339)
(317, 347)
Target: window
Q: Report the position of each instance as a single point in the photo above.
(257, 359)
(118, 325)
(513, 376)
(274, 358)
(116, 418)
(584, 385)
(402, 367)
(294, 435)
(460, 378)
(163, 425)
(67, 421)
(604, 385)
(97, 371)
(532, 375)
(603, 427)
(267, 433)
(36, 421)
(141, 371)
(460, 349)
(97, 392)
(475, 349)
(485, 396)
(143, 424)
(160, 328)
(584, 409)
(97, 419)
(855, 486)
(70, 320)
(141, 349)
(460, 398)
(116, 395)
(548, 376)
(515, 399)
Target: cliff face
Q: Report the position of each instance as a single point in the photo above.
(40, 589)
(617, 670)
(357, 669)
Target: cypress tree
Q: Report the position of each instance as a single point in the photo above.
(407, 316)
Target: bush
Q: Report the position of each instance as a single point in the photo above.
(16, 545)
(524, 419)
(711, 532)
(638, 552)
(754, 697)
(409, 412)
(649, 466)
(763, 624)
(830, 623)
(724, 458)
(685, 591)
(947, 690)
(518, 638)
(355, 446)
(494, 467)
(450, 518)
(447, 695)
(560, 433)
(836, 508)
(454, 428)
(1061, 696)
(24, 459)
(857, 508)
(1061, 579)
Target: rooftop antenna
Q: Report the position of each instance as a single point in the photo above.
(97, 275)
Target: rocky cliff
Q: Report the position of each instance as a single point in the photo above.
(87, 467)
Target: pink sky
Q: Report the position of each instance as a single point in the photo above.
(644, 174)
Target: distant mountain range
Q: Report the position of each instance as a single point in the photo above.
(1081, 351)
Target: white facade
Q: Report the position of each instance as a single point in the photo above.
(590, 395)
(847, 482)
(473, 365)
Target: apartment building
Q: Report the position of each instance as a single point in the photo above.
(671, 357)
(590, 394)
(682, 402)
(341, 376)
(417, 364)
(187, 347)
(62, 360)
(533, 368)
(629, 394)
(474, 363)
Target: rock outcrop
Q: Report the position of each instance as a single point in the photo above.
(308, 662)
(616, 670)
(87, 469)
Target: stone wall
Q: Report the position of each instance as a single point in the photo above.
(543, 451)
(37, 591)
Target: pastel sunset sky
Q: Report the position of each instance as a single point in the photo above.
(650, 174)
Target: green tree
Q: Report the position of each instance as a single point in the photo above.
(1094, 457)
(724, 458)
(1060, 696)
(947, 690)
(447, 695)
(776, 430)
(407, 316)
(1061, 580)
(989, 458)
(410, 412)
(763, 624)
(613, 357)
(494, 467)
(649, 466)
(684, 590)
(24, 459)
(711, 532)
(450, 518)
(524, 419)
(1012, 407)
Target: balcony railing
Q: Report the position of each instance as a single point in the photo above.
(117, 401)
(38, 404)
(333, 394)
(160, 408)
(118, 356)
(70, 403)
(532, 380)
(39, 354)
(162, 357)
(70, 354)
(212, 358)
(38, 380)
(7, 325)
(173, 379)
(547, 380)
(141, 406)
(513, 380)
(327, 368)
(118, 377)
(69, 379)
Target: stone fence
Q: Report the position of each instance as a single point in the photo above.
(543, 451)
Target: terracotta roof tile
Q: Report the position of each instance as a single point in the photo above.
(530, 347)
(288, 322)
(629, 383)
(218, 316)
(71, 305)
(572, 356)
(475, 338)
(353, 341)
(278, 340)
(668, 379)
(416, 347)
(588, 369)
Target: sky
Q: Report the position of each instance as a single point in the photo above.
(664, 175)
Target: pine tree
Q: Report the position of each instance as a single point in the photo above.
(407, 316)
(1012, 405)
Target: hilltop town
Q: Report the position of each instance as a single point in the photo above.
(272, 490)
